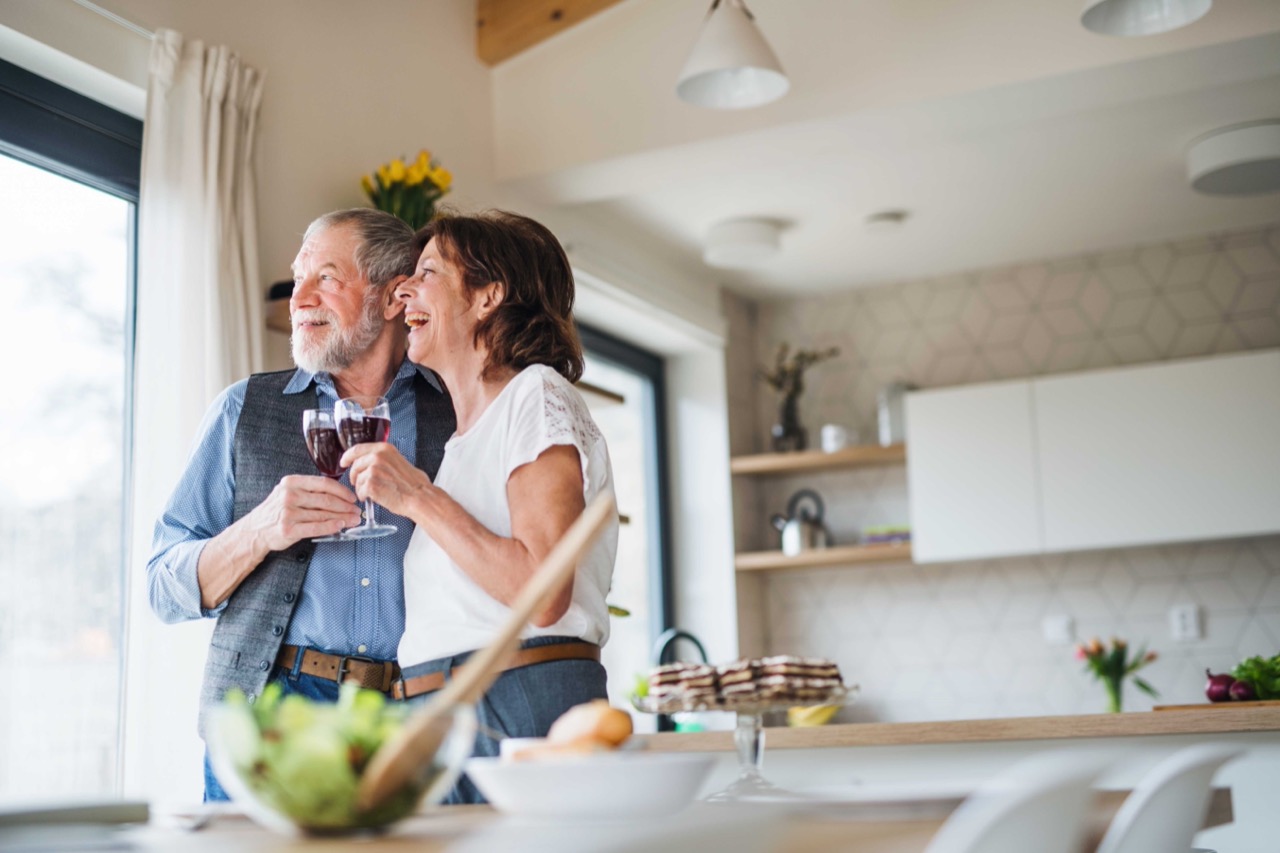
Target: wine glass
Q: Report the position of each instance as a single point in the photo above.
(321, 432)
(361, 420)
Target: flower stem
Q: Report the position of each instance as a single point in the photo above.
(1115, 694)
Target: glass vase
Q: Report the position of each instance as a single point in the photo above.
(1115, 695)
(787, 434)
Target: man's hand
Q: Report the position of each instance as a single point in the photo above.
(301, 507)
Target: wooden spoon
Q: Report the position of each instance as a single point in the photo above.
(415, 744)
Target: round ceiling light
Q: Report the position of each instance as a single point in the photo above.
(1243, 159)
(1141, 17)
(741, 243)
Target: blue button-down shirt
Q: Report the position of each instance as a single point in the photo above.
(352, 600)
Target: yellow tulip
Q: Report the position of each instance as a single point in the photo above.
(367, 183)
(384, 173)
(415, 174)
(442, 179)
(424, 158)
(397, 169)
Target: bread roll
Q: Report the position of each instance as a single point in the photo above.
(591, 723)
(583, 729)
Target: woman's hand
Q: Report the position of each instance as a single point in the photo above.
(379, 473)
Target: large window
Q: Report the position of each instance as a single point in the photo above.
(68, 191)
(623, 387)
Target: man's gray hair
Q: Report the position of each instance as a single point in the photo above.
(386, 242)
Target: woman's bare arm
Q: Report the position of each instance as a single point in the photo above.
(545, 496)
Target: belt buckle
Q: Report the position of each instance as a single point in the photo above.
(345, 659)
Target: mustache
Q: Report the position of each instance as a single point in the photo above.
(313, 315)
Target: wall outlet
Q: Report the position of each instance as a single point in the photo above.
(1059, 629)
(1184, 623)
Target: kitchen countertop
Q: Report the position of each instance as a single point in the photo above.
(1210, 719)
(479, 829)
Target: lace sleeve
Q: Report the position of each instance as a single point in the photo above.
(552, 413)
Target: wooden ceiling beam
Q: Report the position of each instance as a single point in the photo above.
(507, 27)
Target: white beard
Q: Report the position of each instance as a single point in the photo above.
(339, 348)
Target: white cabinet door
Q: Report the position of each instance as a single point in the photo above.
(971, 472)
(1160, 453)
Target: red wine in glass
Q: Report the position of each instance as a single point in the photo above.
(366, 429)
(361, 420)
(325, 446)
(326, 450)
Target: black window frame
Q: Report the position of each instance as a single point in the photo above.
(66, 133)
(653, 368)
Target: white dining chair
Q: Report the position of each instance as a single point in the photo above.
(1169, 804)
(1042, 803)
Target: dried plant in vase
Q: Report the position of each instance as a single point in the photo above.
(787, 378)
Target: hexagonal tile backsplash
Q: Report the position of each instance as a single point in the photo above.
(965, 640)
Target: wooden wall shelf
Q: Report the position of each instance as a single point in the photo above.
(847, 555)
(816, 460)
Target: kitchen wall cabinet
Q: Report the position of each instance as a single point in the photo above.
(1171, 452)
(971, 476)
(1160, 453)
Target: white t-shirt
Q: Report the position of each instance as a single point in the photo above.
(446, 612)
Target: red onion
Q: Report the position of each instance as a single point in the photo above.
(1218, 687)
(1242, 691)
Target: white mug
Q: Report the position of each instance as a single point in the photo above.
(834, 437)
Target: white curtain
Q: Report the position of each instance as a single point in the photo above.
(199, 328)
(198, 244)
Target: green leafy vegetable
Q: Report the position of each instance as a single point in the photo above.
(304, 758)
(1262, 673)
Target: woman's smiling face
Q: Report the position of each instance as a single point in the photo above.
(441, 315)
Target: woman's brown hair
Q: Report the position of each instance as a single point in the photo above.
(534, 322)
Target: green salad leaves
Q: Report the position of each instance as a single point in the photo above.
(304, 758)
(1262, 673)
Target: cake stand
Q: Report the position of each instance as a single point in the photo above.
(748, 738)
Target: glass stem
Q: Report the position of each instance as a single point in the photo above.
(748, 737)
(368, 512)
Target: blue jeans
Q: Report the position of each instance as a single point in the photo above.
(522, 702)
(311, 686)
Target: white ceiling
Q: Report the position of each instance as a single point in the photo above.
(1008, 131)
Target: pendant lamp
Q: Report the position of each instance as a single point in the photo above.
(1141, 17)
(731, 67)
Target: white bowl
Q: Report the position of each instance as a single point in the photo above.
(508, 747)
(602, 785)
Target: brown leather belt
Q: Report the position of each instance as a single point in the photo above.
(407, 688)
(367, 672)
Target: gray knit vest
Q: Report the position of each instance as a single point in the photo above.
(268, 445)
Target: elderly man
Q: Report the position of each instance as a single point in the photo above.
(234, 542)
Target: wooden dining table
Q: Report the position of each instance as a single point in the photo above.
(791, 828)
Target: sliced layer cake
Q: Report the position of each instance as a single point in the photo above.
(787, 678)
(683, 684)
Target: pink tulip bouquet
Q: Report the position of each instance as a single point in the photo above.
(1112, 665)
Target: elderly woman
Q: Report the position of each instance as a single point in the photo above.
(489, 309)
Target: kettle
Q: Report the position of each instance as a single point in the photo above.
(802, 528)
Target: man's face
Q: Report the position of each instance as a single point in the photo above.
(336, 314)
